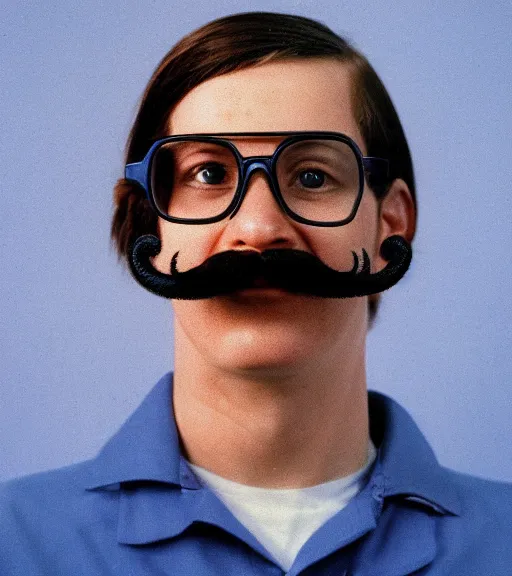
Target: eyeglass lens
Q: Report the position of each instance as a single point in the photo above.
(318, 179)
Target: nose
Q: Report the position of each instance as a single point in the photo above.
(258, 222)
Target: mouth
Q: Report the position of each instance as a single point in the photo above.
(262, 287)
(260, 282)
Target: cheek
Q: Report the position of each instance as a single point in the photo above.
(334, 246)
(193, 242)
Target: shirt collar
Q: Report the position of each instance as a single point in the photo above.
(406, 461)
(147, 448)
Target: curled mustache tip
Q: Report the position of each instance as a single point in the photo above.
(148, 245)
(396, 248)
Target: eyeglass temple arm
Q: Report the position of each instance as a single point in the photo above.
(136, 172)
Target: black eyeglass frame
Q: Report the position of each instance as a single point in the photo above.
(140, 172)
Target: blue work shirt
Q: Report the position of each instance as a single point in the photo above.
(137, 510)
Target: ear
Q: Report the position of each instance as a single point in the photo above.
(396, 216)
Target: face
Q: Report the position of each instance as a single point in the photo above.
(263, 329)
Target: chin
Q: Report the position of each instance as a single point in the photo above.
(279, 337)
(257, 351)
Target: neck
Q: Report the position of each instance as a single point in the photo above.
(293, 429)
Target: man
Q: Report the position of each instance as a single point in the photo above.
(269, 193)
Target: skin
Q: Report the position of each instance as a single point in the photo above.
(270, 388)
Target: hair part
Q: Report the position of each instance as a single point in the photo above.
(233, 43)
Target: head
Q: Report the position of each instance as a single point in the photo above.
(212, 80)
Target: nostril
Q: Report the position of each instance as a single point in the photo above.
(281, 242)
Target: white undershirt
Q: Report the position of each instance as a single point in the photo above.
(284, 519)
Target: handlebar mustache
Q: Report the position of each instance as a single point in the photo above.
(294, 271)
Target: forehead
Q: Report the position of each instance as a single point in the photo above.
(288, 95)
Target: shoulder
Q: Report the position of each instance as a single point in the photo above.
(477, 539)
(49, 488)
(50, 518)
(43, 499)
(47, 497)
(490, 500)
(43, 511)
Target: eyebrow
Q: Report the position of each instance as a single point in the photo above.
(189, 149)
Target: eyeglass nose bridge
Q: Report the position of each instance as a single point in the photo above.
(250, 165)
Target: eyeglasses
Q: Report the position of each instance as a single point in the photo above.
(317, 178)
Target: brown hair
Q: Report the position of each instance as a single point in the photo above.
(233, 43)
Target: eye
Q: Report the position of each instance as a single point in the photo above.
(312, 178)
(211, 174)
